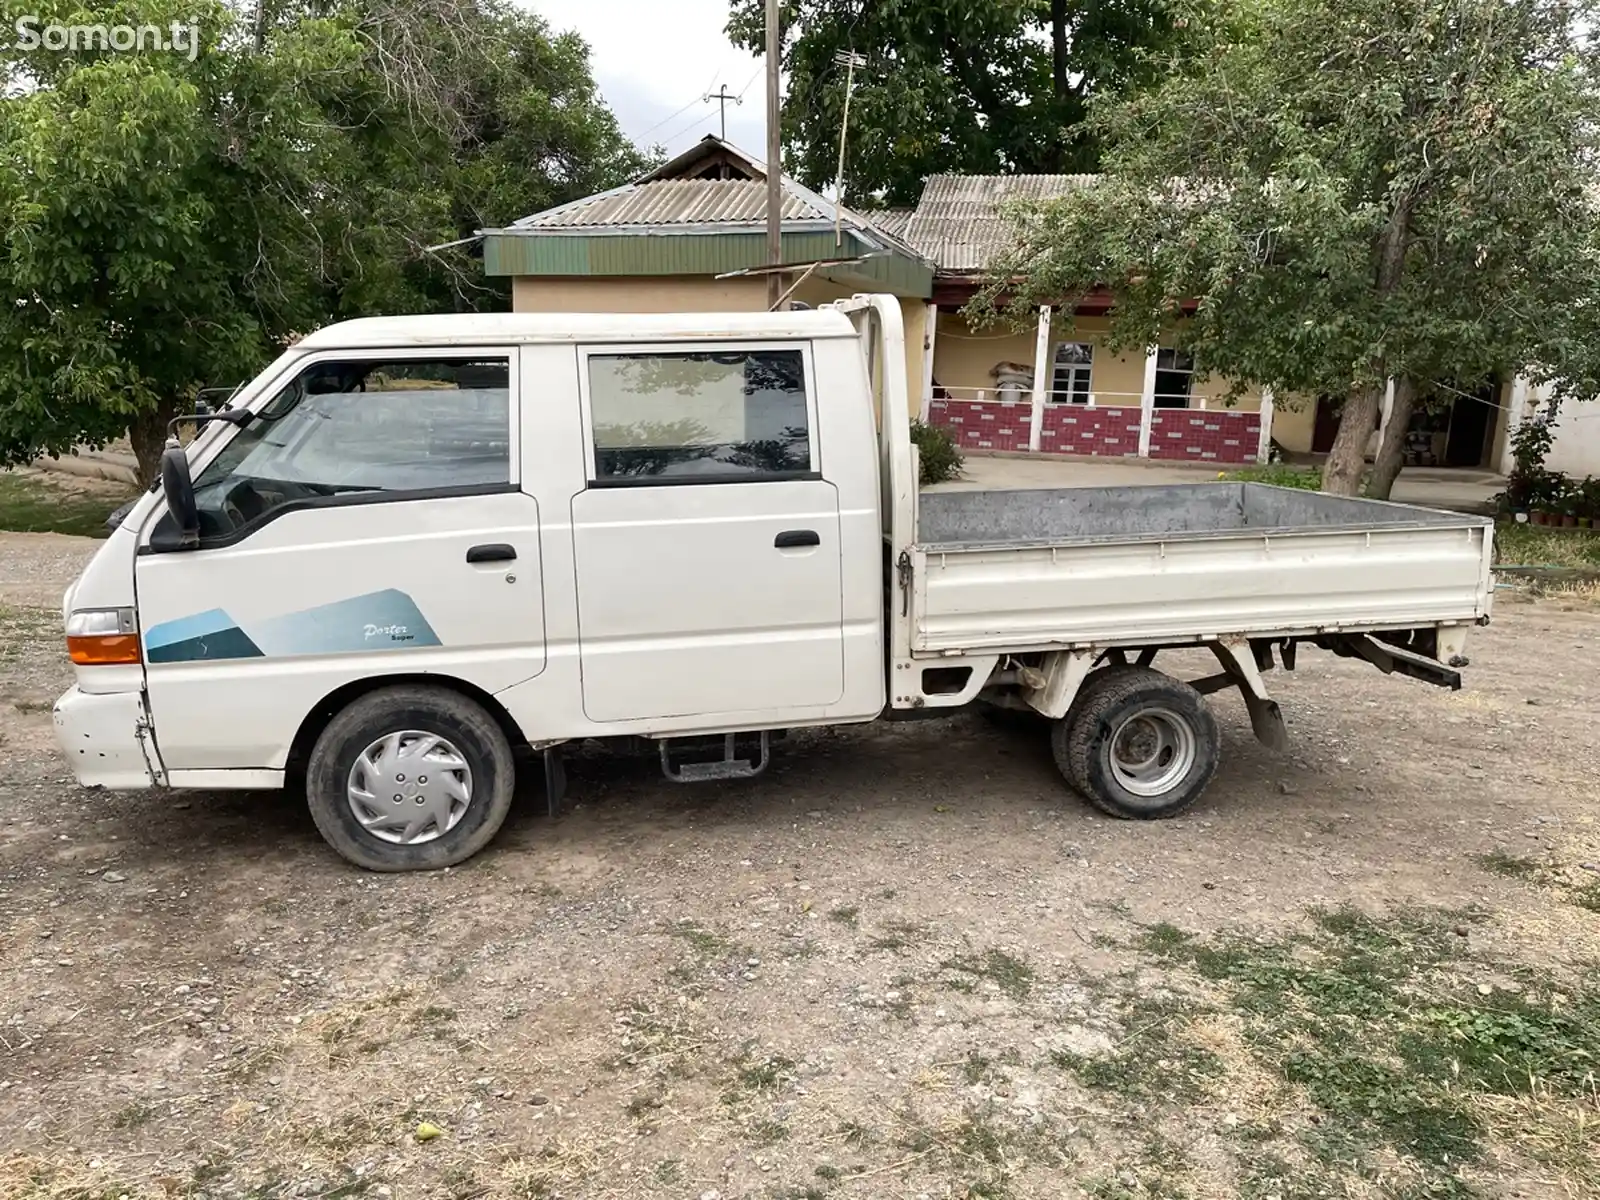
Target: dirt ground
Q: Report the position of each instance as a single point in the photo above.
(906, 962)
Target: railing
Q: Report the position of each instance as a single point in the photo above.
(1024, 395)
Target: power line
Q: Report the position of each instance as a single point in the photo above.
(696, 100)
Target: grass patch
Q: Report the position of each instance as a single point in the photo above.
(897, 935)
(1385, 1031)
(704, 942)
(132, 1115)
(1011, 975)
(1279, 475)
(31, 503)
(766, 1074)
(1518, 543)
(845, 914)
(1154, 1061)
(1498, 862)
(1584, 895)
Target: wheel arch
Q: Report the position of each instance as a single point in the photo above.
(329, 706)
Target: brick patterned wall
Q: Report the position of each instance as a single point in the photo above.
(1184, 434)
(1205, 435)
(983, 424)
(1101, 432)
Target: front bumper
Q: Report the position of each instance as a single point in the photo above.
(106, 739)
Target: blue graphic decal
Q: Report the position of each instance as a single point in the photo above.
(207, 635)
(386, 620)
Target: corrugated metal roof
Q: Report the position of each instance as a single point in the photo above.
(675, 202)
(892, 221)
(958, 223)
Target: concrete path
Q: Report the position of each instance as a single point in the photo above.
(1432, 487)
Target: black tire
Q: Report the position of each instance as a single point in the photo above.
(1092, 685)
(1083, 743)
(474, 734)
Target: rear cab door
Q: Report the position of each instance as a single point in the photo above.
(369, 521)
(707, 538)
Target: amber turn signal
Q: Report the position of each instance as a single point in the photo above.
(104, 649)
(99, 637)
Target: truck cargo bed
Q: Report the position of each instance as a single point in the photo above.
(1102, 566)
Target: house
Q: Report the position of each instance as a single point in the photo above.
(691, 236)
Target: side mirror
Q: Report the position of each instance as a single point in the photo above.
(177, 487)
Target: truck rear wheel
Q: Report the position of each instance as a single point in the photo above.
(1138, 745)
(410, 778)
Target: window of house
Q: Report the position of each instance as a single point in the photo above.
(699, 416)
(362, 428)
(1071, 369)
(1174, 378)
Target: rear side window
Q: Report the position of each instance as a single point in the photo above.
(699, 417)
(363, 429)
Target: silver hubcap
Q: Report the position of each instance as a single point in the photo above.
(410, 787)
(1152, 751)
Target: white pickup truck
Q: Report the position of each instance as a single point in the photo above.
(415, 547)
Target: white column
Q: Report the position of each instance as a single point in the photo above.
(1515, 407)
(1041, 377)
(1264, 440)
(927, 359)
(1147, 401)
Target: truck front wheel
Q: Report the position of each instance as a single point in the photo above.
(410, 778)
(1142, 745)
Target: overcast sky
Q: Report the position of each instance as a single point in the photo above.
(654, 59)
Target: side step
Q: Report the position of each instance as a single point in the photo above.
(742, 756)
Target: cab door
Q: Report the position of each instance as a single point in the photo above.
(368, 521)
(706, 541)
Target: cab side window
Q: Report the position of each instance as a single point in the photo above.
(699, 417)
(361, 430)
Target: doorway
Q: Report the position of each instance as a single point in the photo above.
(1471, 420)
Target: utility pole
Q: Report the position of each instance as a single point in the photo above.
(774, 157)
(723, 97)
(849, 60)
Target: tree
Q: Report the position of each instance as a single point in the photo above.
(1322, 195)
(173, 220)
(956, 85)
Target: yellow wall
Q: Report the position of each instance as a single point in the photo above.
(963, 359)
(670, 293)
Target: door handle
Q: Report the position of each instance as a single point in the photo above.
(791, 538)
(492, 552)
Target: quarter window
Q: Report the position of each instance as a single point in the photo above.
(368, 427)
(699, 416)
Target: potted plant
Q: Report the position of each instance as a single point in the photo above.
(1588, 502)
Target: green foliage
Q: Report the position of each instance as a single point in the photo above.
(173, 223)
(940, 459)
(1383, 1027)
(1306, 478)
(1321, 194)
(959, 85)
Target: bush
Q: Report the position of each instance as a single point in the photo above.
(940, 458)
(1306, 478)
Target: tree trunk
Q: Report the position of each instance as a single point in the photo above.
(1390, 451)
(148, 434)
(1058, 48)
(1348, 458)
(1341, 474)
